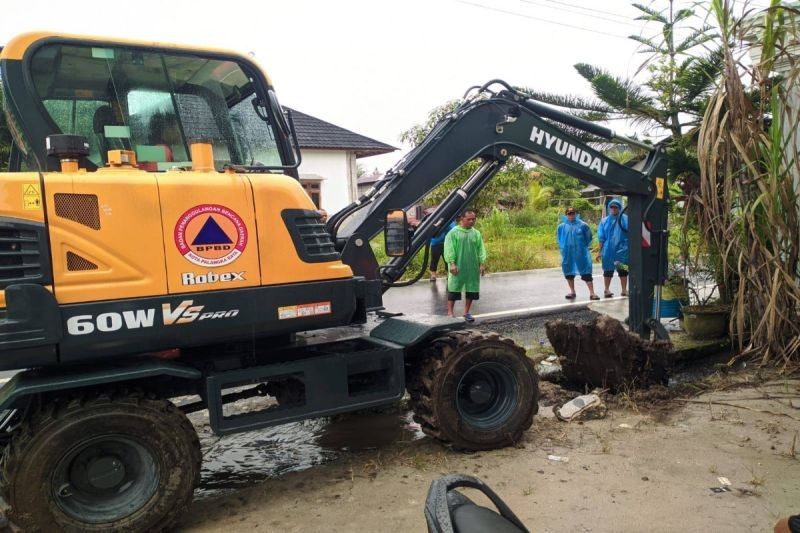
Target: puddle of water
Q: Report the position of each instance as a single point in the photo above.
(244, 459)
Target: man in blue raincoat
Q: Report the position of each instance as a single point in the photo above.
(612, 232)
(574, 237)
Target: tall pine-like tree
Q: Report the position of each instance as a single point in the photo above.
(671, 90)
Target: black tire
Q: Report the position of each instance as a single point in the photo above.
(453, 370)
(102, 463)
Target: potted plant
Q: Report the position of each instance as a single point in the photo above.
(705, 317)
(674, 294)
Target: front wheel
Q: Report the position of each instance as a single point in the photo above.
(473, 390)
(102, 463)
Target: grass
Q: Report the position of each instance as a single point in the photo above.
(524, 239)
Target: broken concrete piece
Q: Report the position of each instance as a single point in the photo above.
(586, 407)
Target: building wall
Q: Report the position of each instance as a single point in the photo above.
(352, 181)
(337, 167)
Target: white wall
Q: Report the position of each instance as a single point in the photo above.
(337, 167)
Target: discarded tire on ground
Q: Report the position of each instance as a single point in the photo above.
(102, 463)
(473, 390)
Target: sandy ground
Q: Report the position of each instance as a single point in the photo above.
(655, 475)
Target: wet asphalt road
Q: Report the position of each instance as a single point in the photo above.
(499, 292)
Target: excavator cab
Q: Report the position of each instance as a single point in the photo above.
(187, 191)
(153, 101)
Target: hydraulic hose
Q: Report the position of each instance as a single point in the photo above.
(415, 278)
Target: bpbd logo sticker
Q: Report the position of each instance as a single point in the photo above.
(210, 235)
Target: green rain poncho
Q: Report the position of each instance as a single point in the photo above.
(464, 247)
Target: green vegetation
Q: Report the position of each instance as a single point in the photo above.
(508, 189)
(670, 91)
(521, 239)
(747, 205)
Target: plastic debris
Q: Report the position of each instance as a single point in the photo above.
(558, 458)
(586, 407)
(723, 481)
(552, 359)
(626, 426)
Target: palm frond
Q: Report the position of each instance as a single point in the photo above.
(571, 102)
(650, 14)
(648, 45)
(701, 75)
(623, 95)
(696, 38)
(682, 14)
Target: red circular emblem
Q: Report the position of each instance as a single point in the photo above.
(210, 235)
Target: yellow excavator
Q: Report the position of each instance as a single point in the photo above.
(158, 257)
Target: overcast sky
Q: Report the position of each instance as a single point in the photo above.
(376, 67)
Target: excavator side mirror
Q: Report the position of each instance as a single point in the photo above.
(395, 233)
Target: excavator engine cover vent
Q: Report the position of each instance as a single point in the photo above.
(80, 208)
(76, 262)
(22, 255)
(312, 242)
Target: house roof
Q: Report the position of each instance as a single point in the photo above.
(369, 179)
(317, 134)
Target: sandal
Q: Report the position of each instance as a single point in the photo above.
(594, 297)
(608, 294)
(469, 318)
(624, 293)
(570, 296)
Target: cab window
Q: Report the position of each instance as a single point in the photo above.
(156, 103)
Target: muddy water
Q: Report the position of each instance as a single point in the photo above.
(244, 459)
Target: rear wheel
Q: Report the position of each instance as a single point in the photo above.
(105, 463)
(473, 390)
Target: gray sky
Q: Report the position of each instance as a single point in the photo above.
(375, 67)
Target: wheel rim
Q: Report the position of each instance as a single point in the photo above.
(487, 395)
(105, 479)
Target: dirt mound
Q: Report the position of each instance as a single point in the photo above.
(552, 394)
(602, 353)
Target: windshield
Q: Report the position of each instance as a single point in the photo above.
(155, 103)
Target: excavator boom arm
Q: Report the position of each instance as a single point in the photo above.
(492, 129)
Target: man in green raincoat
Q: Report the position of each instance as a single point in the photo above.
(465, 256)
